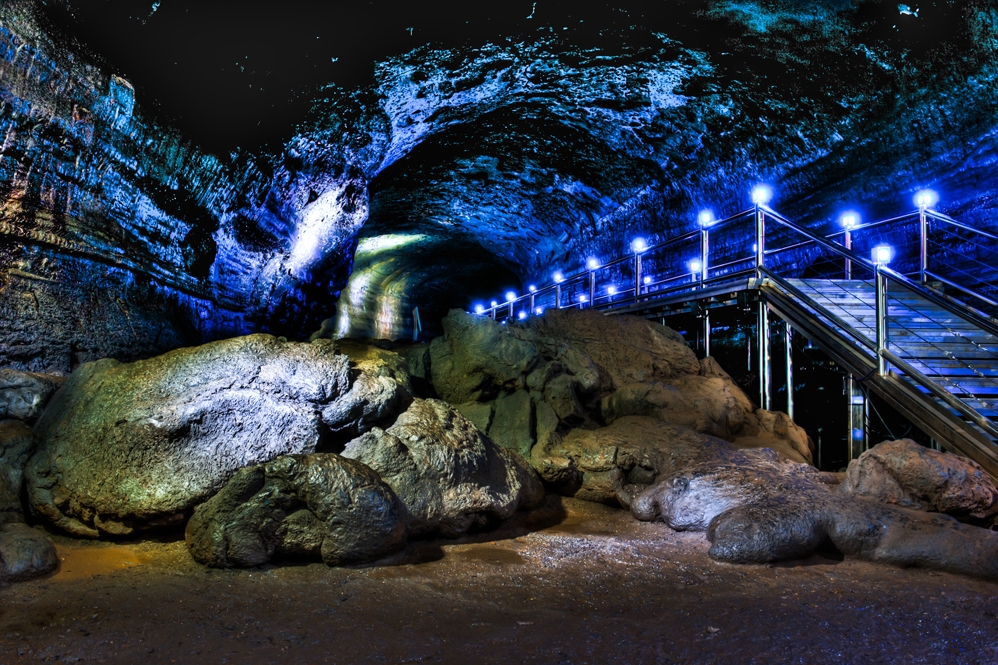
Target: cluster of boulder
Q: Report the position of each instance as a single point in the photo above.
(342, 452)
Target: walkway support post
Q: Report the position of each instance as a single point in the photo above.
(592, 288)
(788, 358)
(923, 243)
(764, 364)
(637, 276)
(704, 250)
(557, 296)
(706, 331)
(760, 240)
(881, 313)
(848, 239)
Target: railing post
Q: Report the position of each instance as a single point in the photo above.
(706, 332)
(788, 358)
(511, 308)
(848, 261)
(532, 297)
(637, 276)
(881, 312)
(763, 356)
(856, 411)
(923, 240)
(704, 248)
(760, 240)
(557, 296)
(592, 288)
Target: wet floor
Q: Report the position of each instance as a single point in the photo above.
(574, 583)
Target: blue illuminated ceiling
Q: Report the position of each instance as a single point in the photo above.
(521, 136)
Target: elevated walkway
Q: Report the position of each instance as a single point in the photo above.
(922, 336)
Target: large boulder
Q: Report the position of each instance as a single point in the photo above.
(590, 369)
(448, 474)
(303, 506)
(126, 447)
(25, 553)
(907, 474)
(17, 443)
(23, 395)
(755, 507)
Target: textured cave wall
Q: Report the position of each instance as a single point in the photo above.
(459, 171)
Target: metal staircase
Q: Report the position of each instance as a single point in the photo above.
(922, 335)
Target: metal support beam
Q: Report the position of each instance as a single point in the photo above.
(637, 277)
(706, 331)
(760, 240)
(881, 312)
(557, 296)
(789, 360)
(923, 244)
(592, 288)
(763, 357)
(856, 411)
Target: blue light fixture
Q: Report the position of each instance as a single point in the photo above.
(882, 254)
(522, 315)
(532, 288)
(849, 219)
(639, 245)
(495, 304)
(510, 296)
(696, 266)
(582, 299)
(647, 280)
(539, 311)
(479, 309)
(706, 217)
(926, 198)
(611, 290)
(558, 277)
(762, 194)
(592, 264)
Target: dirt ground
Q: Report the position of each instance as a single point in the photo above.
(572, 583)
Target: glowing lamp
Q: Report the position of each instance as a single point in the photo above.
(762, 194)
(558, 277)
(495, 304)
(582, 298)
(926, 198)
(592, 264)
(611, 290)
(849, 219)
(647, 280)
(539, 311)
(479, 309)
(695, 266)
(522, 315)
(639, 245)
(882, 254)
(531, 288)
(510, 296)
(706, 218)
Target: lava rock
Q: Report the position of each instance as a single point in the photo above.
(25, 553)
(513, 425)
(23, 395)
(478, 413)
(125, 447)
(308, 506)
(757, 507)
(907, 474)
(449, 475)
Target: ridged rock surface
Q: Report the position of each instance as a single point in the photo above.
(449, 476)
(908, 474)
(298, 506)
(125, 447)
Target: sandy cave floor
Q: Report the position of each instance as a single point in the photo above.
(574, 582)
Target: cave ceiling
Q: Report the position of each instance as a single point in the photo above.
(434, 155)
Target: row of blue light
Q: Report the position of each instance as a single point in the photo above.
(761, 195)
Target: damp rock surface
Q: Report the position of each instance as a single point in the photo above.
(25, 553)
(907, 474)
(449, 475)
(319, 506)
(126, 447)
(23, 395)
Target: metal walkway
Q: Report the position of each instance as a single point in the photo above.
(922, 335)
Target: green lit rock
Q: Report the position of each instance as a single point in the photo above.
(513, 425)
(301, 506)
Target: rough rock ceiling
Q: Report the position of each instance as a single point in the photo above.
(466, 154)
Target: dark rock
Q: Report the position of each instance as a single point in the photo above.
(448, 474)
(319, 505)
(480, 414)
(475, 357)
(907, 474)
(17, 443)
(23, 395)
(136, 446)
(546, 423)
(25, 553)
(513, 425)
(560, 395)
(756, 507)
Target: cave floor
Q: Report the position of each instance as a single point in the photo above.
(574, 582)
